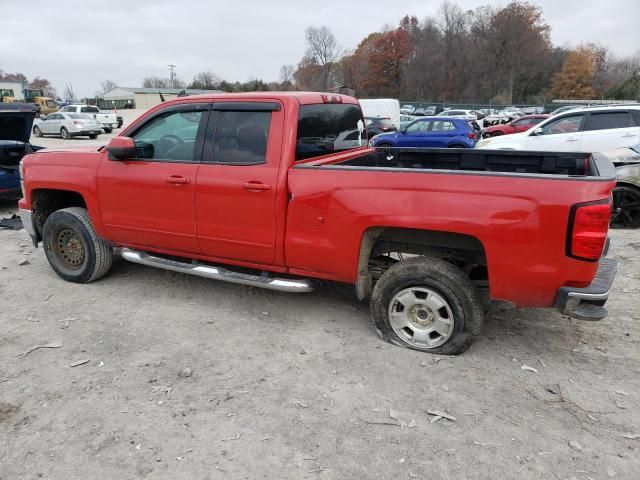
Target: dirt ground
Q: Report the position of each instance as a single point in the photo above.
(281, 386)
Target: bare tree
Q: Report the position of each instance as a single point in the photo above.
(205, 81)
(68, 92)
(286, 76)
(155, 82)
(107, 86)
(323, 47)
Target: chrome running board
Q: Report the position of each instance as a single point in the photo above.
(301, 285)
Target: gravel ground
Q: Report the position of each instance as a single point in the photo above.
(178, 377)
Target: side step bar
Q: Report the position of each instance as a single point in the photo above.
(301, 285)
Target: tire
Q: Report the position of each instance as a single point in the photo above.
(626, 207)
(93, 137)
(37, 132)
(457, 145)
(445, 313)
(64, 133)
(497, 134)
(384, 145)
(108, 129)
(73, 248)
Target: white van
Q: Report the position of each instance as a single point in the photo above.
(382, 108)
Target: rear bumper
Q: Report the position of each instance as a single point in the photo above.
(587, 303)
(27, 222)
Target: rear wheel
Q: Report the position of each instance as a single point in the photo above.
(73, 248)
(427, 304)
(93, 137)
(64, 133)
(626, 207)
(37, 132)
(457, 145)
(384, 145)
(108, 130)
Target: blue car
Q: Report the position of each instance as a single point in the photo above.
(431, 132)
(15, 129)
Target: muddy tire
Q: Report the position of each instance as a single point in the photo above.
(427, 304)
(73, 248)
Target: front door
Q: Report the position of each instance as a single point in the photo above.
(560, 135)
(149, 200)
(236, 187)
(51, 124)
(415, 134)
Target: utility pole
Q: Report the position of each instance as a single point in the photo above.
(172, 75)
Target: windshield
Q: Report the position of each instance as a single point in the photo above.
(636, 148)
(326, 128)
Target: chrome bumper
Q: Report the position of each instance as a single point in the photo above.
(27, 222)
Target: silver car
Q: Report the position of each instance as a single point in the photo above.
(68, 125)
(626, 194)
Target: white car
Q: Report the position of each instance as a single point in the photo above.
(68, 125)
(469, 115)
(591, 129)
(109, 121)
(407, 110)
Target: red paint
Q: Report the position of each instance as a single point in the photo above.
(515, 126)
(311, 221)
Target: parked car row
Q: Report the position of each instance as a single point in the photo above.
(76, 121)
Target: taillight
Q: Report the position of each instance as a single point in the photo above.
(472, 135)
(588, 227)
(77, 122)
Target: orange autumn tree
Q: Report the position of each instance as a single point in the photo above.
(575, 79)
(387, 59)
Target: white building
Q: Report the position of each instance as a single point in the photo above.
(124, 97)
(11, 89)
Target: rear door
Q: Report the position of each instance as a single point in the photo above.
(441, 134)
(606, 130)
(149, 200)
(561, 135)
(236, 185)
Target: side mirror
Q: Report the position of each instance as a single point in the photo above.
(121, 148)
(538, 131)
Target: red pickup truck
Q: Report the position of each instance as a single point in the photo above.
(278, 190)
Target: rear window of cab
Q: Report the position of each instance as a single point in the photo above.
(326, 128)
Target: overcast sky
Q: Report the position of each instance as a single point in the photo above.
(85, 42)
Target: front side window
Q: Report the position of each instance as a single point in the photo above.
(169, 136)
(568, 124)
(241, 137)
(609, 120)
(322, 129)
(418, 127)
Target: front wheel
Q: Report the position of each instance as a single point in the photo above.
(73, 248)
(37, 132)
(427, 304)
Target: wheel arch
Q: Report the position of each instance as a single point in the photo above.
(45, 201)
(466, 251)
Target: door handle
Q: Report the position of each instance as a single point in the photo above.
(256, 186)
(573, 139)
(178, 180)
(628, 135)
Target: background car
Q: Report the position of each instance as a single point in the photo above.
(566, 108)
(419, 112)
(407, 109)
(375, 126)
(466, 114)
(591, 129)
(68, 125)
(434, 132)
(626, 194)
(521, 124)
(406, 120)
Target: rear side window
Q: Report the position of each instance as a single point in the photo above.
(241, 137)
(608, 120)
(327, 128)
(89, 110)
(442, 126)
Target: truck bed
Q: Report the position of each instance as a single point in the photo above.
(477, 161)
